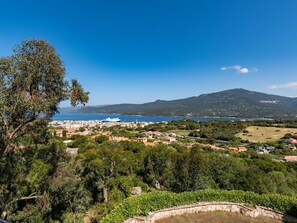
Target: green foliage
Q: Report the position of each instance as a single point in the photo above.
(78, 140)
(73, 217)
(173, 125)
(221, 130)
(64, 133)
(38, 174)
(158, 166)
(40, 184)
(81, 129)
(291, 123)
(108, 169)
(194, 134)
(101, 139)
(211, 130)
(145, 203)
(30, 214)
(66, 192)
(32, 85)
(227, 172)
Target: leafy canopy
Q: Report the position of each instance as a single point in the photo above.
(32, 84)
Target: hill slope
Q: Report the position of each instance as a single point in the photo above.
(229, 103)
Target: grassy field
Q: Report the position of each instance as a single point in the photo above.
(180, 132)
(216, 217)
(265, 134)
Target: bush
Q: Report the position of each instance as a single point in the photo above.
(101, 139)
(73, 217)
(145, 203)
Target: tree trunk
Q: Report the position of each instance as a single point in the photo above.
(8, 137)
(3, 149)
(105, 194)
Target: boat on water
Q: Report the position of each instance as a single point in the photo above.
(111, 120)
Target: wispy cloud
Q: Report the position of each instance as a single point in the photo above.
(289, 85)
(239, 69)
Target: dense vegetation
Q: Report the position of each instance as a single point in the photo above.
(44, 184)
(230, 103)
(219, 130)
(32, 85)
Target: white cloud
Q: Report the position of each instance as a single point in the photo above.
(240, 69)
(289, 85)
(244, 70)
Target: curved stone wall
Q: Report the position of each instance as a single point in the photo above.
(212, 206)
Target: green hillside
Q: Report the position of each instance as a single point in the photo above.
(229, 103)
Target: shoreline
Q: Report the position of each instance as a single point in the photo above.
(176, 116)
(75, 116)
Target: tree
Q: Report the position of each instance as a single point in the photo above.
(102, 138)
(199, 175)
(42, 182)
(158, 166)
(104, 166)
(227, 172)
(32, 84)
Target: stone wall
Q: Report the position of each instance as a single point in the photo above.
(212, 206)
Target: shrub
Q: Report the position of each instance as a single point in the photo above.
(148, 202)
(73, 217)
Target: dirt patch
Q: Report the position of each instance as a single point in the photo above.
(216, 217)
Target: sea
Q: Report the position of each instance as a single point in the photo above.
(132, 118)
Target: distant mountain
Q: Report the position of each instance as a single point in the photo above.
(76, 109)
(229, 103)
(69, 109)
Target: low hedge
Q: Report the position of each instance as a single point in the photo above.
(148, 202)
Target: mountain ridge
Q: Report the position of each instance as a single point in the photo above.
(236, 102)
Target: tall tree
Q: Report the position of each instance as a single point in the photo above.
(32, 84)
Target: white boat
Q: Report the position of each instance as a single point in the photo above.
(111, 120)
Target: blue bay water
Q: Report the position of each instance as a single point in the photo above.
(132, 118)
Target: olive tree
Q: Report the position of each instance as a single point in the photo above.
(32, 84)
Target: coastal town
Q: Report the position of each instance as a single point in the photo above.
(68, 130)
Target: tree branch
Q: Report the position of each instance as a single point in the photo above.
(28, 198)
(21, 126)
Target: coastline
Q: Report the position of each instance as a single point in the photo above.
(75, 116)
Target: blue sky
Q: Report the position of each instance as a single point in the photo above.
(140, 51)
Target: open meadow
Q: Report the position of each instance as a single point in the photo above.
(264, 134)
